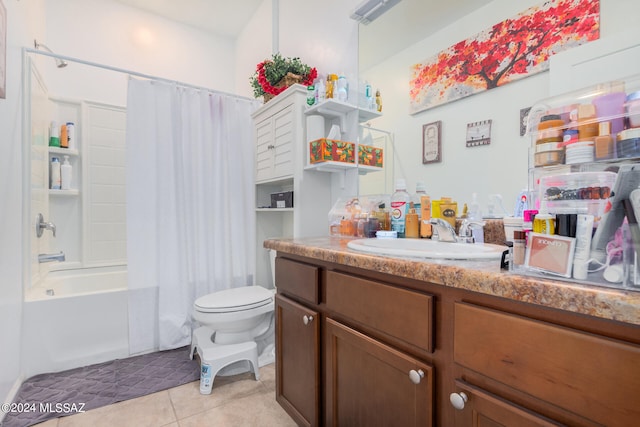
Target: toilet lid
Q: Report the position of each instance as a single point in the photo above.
(234, 299)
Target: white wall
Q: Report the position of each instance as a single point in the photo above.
(24, 19)
(500, 167)
(100, 31)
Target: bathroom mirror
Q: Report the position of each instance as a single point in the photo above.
(409, 33)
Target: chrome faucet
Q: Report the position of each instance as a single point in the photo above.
(444, 230)
(51, 257)
(465, 233)
(41, 225)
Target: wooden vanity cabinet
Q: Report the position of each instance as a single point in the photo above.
(367, 379)
(298, 341)
(567, 373)
(298, 361)
(392, 351)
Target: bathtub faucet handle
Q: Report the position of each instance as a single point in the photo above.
(41, 225)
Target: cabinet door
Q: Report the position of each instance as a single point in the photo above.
(264, 150)
(283, 137)
(371, 384)
(274, 146)
(478, 408)
(298, 361)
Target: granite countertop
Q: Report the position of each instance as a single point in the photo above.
(478, 276)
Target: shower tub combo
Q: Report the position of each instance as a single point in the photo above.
(75, 318)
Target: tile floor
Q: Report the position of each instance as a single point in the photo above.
(237, 400)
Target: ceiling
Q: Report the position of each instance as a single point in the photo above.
(222, 17)
(415, 19)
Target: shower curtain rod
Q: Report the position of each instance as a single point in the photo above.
(133, 73)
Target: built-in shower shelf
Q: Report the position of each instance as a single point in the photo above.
(64, 193)
(64, 151)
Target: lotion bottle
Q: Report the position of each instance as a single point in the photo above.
(66, 171)
(584, 229)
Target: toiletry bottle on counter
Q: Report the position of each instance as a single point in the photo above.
(584, 229)
(417, 197)
(425, 217)
(449, 210)
(65, 174)
(55, 174)
(383, 217)
(399, 204)
(474, 214)
(412, 223)
(543, 222)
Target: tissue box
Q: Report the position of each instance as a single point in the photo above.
(325, 150)
(283, 199)
(369, 155)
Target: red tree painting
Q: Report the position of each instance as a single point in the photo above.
(510, 50)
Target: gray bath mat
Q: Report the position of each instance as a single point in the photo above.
(49, 396)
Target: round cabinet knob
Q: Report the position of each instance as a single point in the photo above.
(416, 376)
(307, 319)
(458, 400)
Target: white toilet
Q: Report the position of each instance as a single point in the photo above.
(237, 325)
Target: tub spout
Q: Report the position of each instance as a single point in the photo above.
(51, 257)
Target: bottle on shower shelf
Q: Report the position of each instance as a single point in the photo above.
(55, 174)
(66, 171)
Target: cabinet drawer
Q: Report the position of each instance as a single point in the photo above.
(402, 314)
(596, 377)
(482, 408)
(297, 279)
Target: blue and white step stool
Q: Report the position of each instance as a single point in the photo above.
(214, 357)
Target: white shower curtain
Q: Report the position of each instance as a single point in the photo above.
(190, 198)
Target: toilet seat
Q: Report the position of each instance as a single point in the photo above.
(234, 299)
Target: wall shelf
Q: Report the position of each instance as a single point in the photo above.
(331, 166)
(63, 151)
(64, 193)
(274, 209)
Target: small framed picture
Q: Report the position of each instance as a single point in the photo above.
(431, 144)
(479, 133)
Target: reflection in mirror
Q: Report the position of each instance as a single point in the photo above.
(377, 182)
(409, 33)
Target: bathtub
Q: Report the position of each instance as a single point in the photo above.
(75, 318)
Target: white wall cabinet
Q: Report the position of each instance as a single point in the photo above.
(275, 132)
(282, 164)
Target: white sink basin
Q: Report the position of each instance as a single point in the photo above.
(422, 248)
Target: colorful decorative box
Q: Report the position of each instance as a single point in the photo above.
(325, 150)
(369, 155)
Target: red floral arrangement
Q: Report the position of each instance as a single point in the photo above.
(271, 71)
